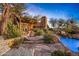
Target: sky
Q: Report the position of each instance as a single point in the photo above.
(54, 10)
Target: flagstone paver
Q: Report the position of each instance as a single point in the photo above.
(3, 47)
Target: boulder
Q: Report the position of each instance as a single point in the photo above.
(75, 36)
(1, 38)
(55, 38)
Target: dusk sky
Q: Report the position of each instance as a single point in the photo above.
(54, 10)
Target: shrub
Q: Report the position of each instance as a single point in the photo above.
(42, 31)
(11, 43)
(39, 32)
(60, 53)
(50, 29)
(14, 42)
(49, 32)
(12, 30)
(48, 39)
(69, 29)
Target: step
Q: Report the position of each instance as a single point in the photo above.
(35, 38)
(32, 42)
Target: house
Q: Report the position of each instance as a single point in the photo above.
(28, 25)
(41, 23)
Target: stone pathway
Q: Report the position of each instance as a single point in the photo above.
(41, 50)
(34, 50)
(21, 51)
(35, 38)
(29, 50)
(3, 47)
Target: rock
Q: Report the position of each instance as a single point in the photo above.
(55, 38)
(21, 51)
(1, 38)
(3, 47)
(42, 46)
(63, 32)
(35, 38)
(41, 50)
(75, 36)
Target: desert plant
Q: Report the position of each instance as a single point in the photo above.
(48, 39)
(60, 53)
(39, 32)
(12, 30)
(14, 42)
(11, 43)
(49, 32)
(69, 28)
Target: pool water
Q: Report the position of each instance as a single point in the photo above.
(72, 44)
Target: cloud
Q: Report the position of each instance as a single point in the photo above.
(36, 10)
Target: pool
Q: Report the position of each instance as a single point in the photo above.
(72, 44)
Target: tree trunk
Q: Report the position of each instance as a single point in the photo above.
(19, 17)
(5, 18)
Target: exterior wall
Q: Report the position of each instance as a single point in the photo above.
(44, 22)
(30, 26)
(24, 27)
